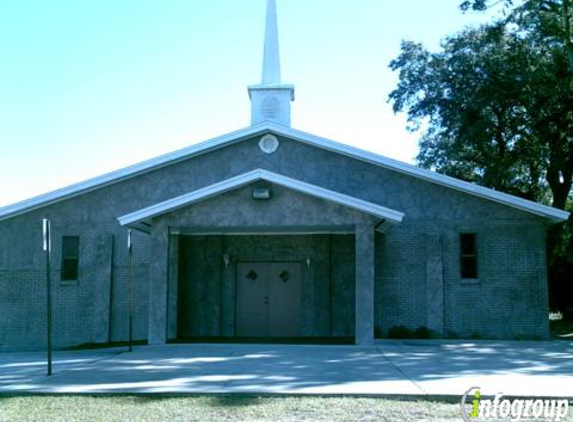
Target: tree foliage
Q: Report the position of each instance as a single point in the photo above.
(495, 106)
(547, 25)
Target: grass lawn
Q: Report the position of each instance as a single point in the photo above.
(217, 409)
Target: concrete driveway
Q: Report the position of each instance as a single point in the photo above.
(391, 368)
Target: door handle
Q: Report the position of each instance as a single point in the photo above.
(266, 298)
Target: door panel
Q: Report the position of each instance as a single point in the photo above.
(252, 300)
(285, 298)
(268, 299)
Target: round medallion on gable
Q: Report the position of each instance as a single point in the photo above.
(269, 144)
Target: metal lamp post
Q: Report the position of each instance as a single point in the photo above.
(47, 251)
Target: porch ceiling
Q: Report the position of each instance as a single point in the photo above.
(142, 219)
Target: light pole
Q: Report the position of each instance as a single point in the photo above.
(47, 251)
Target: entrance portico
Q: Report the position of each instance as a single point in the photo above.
(296, 217)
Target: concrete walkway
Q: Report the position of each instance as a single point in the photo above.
(391, 368)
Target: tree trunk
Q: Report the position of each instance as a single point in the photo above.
(560, 182)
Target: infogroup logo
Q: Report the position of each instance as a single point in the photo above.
(475, 408)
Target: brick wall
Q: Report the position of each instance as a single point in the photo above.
(509, 300)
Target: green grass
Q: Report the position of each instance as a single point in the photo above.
(222, 409)
(217, 409)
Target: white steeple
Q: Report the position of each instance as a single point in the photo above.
(271, 60)
(270, 101)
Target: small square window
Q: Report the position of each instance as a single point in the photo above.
(70, 258)
(468, 256)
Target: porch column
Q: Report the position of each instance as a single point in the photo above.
(158, 279)
(364, 285)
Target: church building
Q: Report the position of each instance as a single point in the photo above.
(273, 234)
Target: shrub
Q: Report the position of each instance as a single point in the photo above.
(424, 333)
(400, 332)
(476, 336)
(451, 335)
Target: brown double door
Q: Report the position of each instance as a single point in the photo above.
(268, 299)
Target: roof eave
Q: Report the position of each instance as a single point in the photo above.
(552, 214)
(555, 215)
(120, 175)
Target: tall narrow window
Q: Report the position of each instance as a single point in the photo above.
(70, 257)
(468, 256)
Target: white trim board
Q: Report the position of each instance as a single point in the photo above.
(144, 216)
(553, 214)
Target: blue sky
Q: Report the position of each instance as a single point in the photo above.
(89, 86)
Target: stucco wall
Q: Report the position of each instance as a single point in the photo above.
(207, 282)
(512, 260)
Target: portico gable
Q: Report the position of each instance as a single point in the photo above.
(258, 203)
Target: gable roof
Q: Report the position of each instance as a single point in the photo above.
(141, 219)
(553, 214)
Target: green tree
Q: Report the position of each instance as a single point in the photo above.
(495, 106)
(551, 18)
(548, 26)
(497, 110)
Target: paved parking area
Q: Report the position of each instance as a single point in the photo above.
(390, 368)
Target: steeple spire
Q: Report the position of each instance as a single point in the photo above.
(271, 63)
(270, 101)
